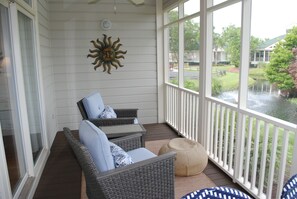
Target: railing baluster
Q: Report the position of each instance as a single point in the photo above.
(255, 158)
(191, 117)
(170, 95)
(248, 151)
(283, 163)
(208, 128)
(195, 116)
(186, 121)
(182, 107)
(174, 110)
(272, 162)
(293, 170)
(241, 139)
(231, 148)
(212, 128)
(263, 160)
(226, 137)
(216, 131)
(196, 129)
(221, 133)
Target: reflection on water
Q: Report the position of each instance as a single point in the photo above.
(266, 101)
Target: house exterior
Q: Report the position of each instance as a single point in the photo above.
(45, 71)
(262, 54)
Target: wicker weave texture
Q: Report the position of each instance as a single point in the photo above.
(152, 178)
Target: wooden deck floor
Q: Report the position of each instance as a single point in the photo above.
(61, 177)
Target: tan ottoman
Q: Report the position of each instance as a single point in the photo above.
(191, 157)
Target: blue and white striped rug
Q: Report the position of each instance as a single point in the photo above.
(216, 192)
(290, 188)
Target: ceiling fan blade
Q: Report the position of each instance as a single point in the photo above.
(92, 1)
(137, 2)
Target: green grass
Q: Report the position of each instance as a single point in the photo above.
(225, 67)
(257, 73)
(293, 100)
(231, 81)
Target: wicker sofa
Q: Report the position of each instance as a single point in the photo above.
(124, 116)
(151, 178)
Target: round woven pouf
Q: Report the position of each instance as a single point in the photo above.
(191, 158)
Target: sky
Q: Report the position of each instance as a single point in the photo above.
(270, 18)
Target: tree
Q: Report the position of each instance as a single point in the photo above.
(255, 43)
(293, 67)
(230, 40)
(277, 71)
(216, 45)
(191, 36)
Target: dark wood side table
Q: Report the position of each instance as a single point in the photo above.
(123, 130)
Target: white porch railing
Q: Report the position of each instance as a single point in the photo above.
(254, 149)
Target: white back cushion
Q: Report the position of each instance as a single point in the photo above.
(94, 105)
(98, 145)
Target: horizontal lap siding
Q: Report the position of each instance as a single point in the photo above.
(73, 25)
(47, 69)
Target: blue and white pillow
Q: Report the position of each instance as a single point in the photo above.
(120, 157)
(108, 112)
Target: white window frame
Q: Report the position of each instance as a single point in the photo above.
(31, 169)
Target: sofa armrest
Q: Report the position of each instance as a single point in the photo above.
(152, 178)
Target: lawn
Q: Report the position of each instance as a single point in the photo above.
(227, 81)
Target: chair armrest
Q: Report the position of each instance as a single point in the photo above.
(152, 178)
(126, 112)
(129, 142)
(112, 121)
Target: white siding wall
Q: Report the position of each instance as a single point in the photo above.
(74, 23)
(47, 69)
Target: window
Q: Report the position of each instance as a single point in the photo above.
(9, 119)
(226, 44)
(191, 53)
(27, 43)
(173, 55)
(191, 7)
(182, 35)
(20, 104)
(263, 94)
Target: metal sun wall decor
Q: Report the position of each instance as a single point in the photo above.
(106, 54)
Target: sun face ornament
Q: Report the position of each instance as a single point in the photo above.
(106, 54)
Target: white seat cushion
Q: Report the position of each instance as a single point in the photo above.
(93, 105)
(97, 144)
(140, 154)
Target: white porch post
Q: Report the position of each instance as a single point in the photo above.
(243, 83)
(160, 64)
(205, 69)
(181, 46)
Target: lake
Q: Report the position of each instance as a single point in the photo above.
(264, 98)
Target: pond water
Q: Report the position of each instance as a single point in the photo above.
(265, 99)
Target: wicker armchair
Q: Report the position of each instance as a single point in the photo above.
(152, 178)
(124, 116)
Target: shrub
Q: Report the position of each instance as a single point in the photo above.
(216, 87)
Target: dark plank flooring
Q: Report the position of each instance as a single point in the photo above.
(61, 177)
